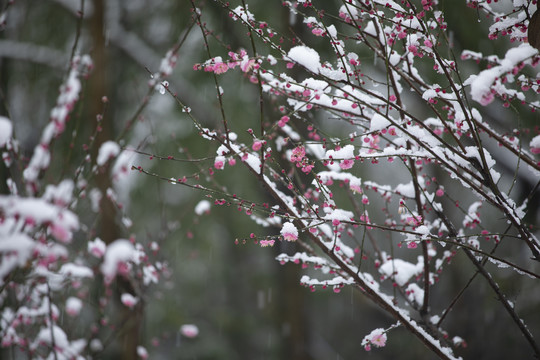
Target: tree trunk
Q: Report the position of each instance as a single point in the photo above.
(109, 230)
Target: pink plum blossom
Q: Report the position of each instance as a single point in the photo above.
(377, 337)
(73, 306)
(317, 32)
(97, 247)
(266, 243)
(129, 300)
(535, 145)
(142, 352)
(298, 154)
(379, 340)
(487, 98)
(220, 68)
(189, 330)
(218, 164)
(247, 65)
(284, 119)
(60, 233)
(257, 145)
(307, 168)
(346, 164)
(289, 232)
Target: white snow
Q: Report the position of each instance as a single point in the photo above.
(338, 214)
(150, 275)
(118, 251)
(129, 300)
(399, 270)
(74, 270)
(306, 57)
(189, 330)
(429, 94)
(506, 22)
(40, 161)
(332, 31)
(121, 167)
(423, 231)
(142, 352)
(346, 152)
(355, 183)
(302, 257)
(67, 349)
(473, 152)
(97, 247)
(15, 250)
(95, 197)
(46, 335)
(370, 29)
(338, 280)
(253, 162)
(378, 122)
(535, 142)
(272, 60)
(6, 130)
(405, 189)
(289, 228)
(244, 14)
(346, 9)
(18, 243)
(167, 64)
(107, 150)
(415, 293)
(96, 345)
(60, 194)
(481, 83)
(202, 207)
(394, 58)
(73, 306)
(39, 211)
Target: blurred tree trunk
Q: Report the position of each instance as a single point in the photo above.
(293, 312)
(293, 299)
(4, 171)
(109, 230)
(98, 88)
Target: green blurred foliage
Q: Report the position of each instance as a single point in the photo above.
(245, 304)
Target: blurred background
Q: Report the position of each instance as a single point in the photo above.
(245, 304)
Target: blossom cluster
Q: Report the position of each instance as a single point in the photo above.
(441, 139)
(43, 272)
(218, 66)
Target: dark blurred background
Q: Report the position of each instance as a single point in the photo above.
(245, 304)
